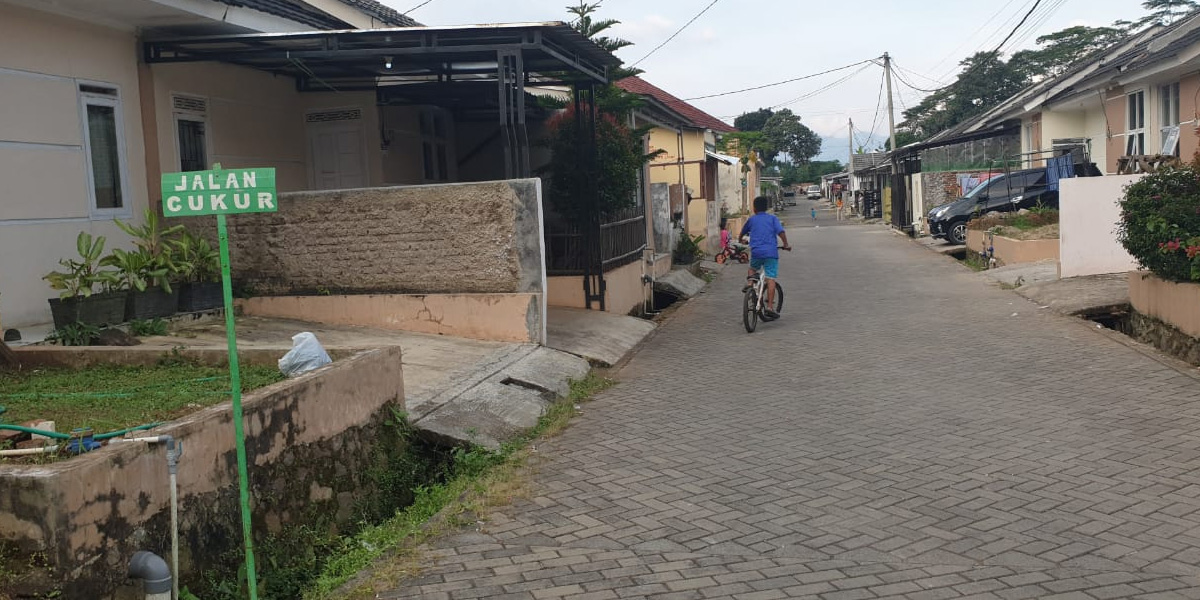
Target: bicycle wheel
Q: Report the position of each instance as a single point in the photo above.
(750, 310)
(778, 297)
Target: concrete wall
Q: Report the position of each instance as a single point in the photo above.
(44, 201)
(310, 443)
(1177, 304)
(660, 217)
(498, 317)
(625, 290)
(1088, 218)
(1008, 251)
(729, 186)
(457, 238)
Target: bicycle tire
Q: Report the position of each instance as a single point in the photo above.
(750, 310)
(778, 297)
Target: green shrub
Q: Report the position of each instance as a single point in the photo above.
(1160, 223)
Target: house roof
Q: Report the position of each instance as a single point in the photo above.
(307, 14)
(695, 116)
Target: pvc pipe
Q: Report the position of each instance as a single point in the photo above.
(29, 451)
(152, 570)
(174, 451)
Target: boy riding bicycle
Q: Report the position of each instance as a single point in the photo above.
(763, 228)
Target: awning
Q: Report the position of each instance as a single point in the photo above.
(725, 158)
(369, 58)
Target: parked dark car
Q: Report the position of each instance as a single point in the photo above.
(1002, 193)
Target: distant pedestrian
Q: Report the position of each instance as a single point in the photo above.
(839, 209)
(814, 213)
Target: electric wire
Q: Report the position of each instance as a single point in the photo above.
(878, 110)
(967, 40)
(417, 6)
(778, 83)
(1014, 30)
(673, 35)
(821, 90)
(1039, 21)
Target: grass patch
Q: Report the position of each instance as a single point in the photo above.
(974, 261)
(107, 398)
(478, 480)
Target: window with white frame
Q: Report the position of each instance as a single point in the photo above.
(1135, 130)
(104, 145)
(435, 145)
(1168, 117)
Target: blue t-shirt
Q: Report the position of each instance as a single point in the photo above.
(763, 228)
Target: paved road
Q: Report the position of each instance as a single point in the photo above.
(904, 431)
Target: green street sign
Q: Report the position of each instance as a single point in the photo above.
(219, 192)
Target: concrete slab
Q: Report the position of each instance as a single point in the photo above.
(601, 338)
(679, 282)
(1081, 296)
(940, 246)
(487, 414)
(1023, 274)
(547, 369)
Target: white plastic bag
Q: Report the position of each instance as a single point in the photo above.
(306, 354)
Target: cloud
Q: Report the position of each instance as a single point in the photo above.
(648, 27)
(708, 35)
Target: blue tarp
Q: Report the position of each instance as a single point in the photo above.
(1058, 168)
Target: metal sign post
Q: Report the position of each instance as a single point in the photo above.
(220, 192)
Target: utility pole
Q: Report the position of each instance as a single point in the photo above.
(850, 164)
(887, 71)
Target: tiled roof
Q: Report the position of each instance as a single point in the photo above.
(307, 14)
(386, 14)
(697, 117)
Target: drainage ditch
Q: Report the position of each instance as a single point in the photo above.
(1150, 331)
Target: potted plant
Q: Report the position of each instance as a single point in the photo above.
(147, 282)
(78, 300)
(199, 268)
(152, 266)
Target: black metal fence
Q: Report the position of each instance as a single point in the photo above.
(621, 239)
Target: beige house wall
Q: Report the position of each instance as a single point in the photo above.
(1175, 303)
(673, 167)
(256, 119)
(45, 201)
(625, 290)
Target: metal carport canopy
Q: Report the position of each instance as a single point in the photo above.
(358, 58)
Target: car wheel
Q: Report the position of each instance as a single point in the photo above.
(957, 233)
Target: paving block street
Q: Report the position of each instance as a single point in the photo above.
(857, 448)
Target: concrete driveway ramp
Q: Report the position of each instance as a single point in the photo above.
(501, 400)
(600, 337)
(679, 282)
(486, 415)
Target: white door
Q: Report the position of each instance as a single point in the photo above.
(338, 160)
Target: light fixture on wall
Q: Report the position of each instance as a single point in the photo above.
(387, 62)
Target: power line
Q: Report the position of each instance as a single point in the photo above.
(998, 28)
(417, 6)
(673, 35)
(778, 83)
(1041, 20)
(989, 21)
(1014, 31)
(878, 109)
(821, 90)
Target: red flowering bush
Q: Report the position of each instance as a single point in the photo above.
(614, 175)
(1160, 222)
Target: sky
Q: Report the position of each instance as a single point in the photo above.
(744, 43)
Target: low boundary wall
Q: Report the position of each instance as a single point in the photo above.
(497, 317)
(310, 442)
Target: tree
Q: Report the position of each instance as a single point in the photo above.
(786, 133)
(903, 138)
(1062, 49)
(807, 173)
(985, 81)
(1164, 12)
(592, 29)
(753, 121)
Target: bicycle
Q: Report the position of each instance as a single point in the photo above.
(754, 300)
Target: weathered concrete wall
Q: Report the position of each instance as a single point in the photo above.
(660, 210)
(498, 317)
(310, 443)
(1177, 304)
(457, 238)
(1088, 216)
(1009, 251)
